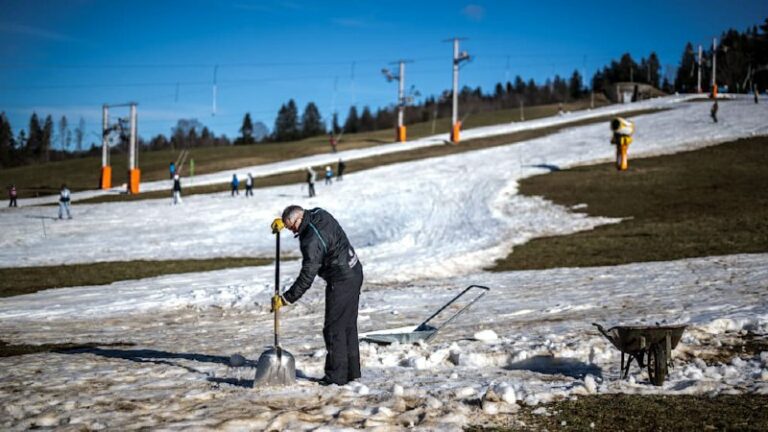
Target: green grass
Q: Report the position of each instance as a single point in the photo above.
(83, 174)
(623, 412)
(27, 280)
(712, 201)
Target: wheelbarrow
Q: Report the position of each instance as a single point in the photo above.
(652, 343)
(425, 331)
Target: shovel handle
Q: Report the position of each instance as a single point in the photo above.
(277, 287)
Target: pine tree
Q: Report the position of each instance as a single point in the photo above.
(6, 142)
(46, 138)
(352, 124)
(367, 123)
(311, 122)
(519, 85)
(294, 128)
(498, 92)
(655, 66)
(33, 147)
(80, 135)
(246, 131)
(63, 132)
(531, 93)
(286, 123)
(575, 85)
(685, 80)
(627, 69)
(335, 127)
(22, 142)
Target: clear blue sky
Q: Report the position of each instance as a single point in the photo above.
(69, 57)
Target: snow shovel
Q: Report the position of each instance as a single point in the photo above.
(276, 366)
(424, 331)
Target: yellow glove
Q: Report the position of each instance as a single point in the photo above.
(277, 225)
(277, 303)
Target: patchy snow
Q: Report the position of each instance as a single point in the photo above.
(178, 374)
(437, 217)
(257, 171)
(424, 230)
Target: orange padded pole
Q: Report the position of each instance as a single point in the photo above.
(455, 132)
(106, 177)
(135, 178)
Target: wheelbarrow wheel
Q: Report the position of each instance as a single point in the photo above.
(657, 364)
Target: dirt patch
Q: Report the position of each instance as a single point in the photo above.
(7, 350)
(712, 201)
(620, 412)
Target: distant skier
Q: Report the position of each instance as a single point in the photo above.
(64, 199)
(311, 181)
(235, 184)
(332, 141)
(12, 194)
(713, 112)
(249, 185)
(328, 175)
(172, 169)
(340, 169)
(176, 189)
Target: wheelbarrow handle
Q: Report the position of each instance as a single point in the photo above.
(456, 315)
(604, 332)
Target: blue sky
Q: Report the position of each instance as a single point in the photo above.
(70, 57)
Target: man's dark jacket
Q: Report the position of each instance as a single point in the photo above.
(325, 250)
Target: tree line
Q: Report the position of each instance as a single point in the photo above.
(36, 143)
(741, 62)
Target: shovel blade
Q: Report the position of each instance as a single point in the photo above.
(276, 367)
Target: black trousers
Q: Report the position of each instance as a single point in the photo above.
(342, 363)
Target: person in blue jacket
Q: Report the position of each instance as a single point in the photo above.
(235, 185)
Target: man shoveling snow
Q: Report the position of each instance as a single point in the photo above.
(326, 251)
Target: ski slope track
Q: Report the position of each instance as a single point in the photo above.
(423, 230)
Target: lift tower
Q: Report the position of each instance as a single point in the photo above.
(134, 174)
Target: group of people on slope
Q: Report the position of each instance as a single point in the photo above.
(312, 176)
(235, 185)
(65, 198)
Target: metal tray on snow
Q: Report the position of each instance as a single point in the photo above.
(424, 331)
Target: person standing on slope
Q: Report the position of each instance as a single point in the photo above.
(311, 181)
(326, 252)
(64, 199)
(235, 184)
(249, 185)
(12, 194)
(176, 189)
